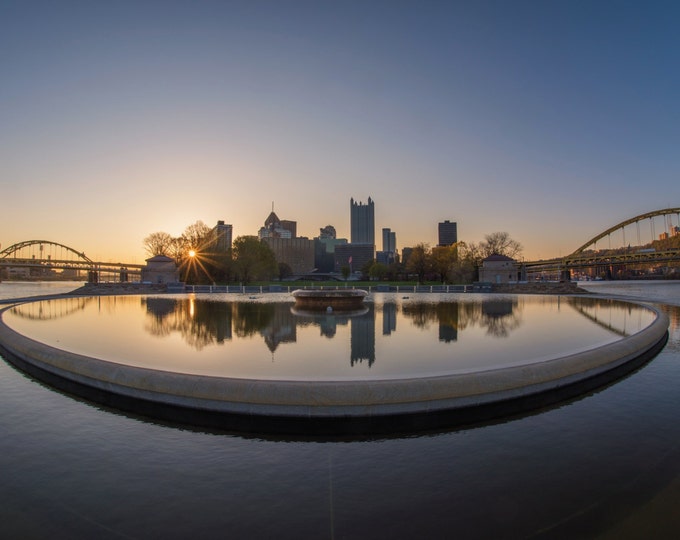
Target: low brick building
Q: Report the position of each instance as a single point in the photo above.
(160, 269)
(500, 269)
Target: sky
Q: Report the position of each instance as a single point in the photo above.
(549, 120)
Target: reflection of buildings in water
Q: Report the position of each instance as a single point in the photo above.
(448, 333)
(362, 338)
(161, 308)
(500, 317)
(327, 322)
(448, 315)
(421, 314)
(202, 322)
(281, 328)
(163, 315)
(249, 318)
(497, 309)
(389, 313)
(199, 323)
(329, 325)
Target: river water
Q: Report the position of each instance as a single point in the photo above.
(23, 289)
(606, 465)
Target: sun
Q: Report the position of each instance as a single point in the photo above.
(192, 253)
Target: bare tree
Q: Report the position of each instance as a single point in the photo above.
(157, 243)
(501, 244)
(176, 248)
(195, 236)
(464, 268)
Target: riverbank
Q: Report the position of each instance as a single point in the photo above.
(106, 289)
(539, 287)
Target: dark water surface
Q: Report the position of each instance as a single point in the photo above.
(605, 465)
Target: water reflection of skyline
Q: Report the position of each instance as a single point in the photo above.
(206, 322)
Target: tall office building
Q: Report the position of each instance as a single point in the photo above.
(220, 237)
(448, 233)
(388, 254)
(389, 239)
(362, 222)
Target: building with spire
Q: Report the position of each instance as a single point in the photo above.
(362, 222)
(281, 236)
(277, 228)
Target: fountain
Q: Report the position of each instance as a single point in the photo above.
(329, 300)
(347, 378)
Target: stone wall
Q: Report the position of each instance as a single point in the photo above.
(539, 287)
(120, 288)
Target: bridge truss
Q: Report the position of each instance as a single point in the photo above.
(44, 259)
(630, 251)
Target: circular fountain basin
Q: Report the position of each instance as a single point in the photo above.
(320, 299)
(436, 360)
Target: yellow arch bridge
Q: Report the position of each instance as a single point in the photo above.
(44, 259)
(631, 251)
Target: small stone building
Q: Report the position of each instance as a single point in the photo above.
(500, 269)
(160, 269)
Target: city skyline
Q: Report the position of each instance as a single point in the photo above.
(550, 121)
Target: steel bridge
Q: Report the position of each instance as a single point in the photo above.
(623, 256)
(44, 259)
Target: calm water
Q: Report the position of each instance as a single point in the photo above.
(22, 289)
(606, 465)
(393, 337)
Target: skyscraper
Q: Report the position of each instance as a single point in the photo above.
(389, 247)
(220, 237)
(448, 233)
(389, 239)
(362, 222)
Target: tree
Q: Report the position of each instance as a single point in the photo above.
(345, 270)
(501, 244)
(158, 243)
(464, 269)
(419, 261)
(253, 259)
(176, 249)
(196, 236)
(366, 268)
(443, 258)
(285, 271)
(377, 271)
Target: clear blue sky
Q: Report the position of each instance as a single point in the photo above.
(551, 120)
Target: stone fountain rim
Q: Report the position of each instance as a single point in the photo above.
(328, 399)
